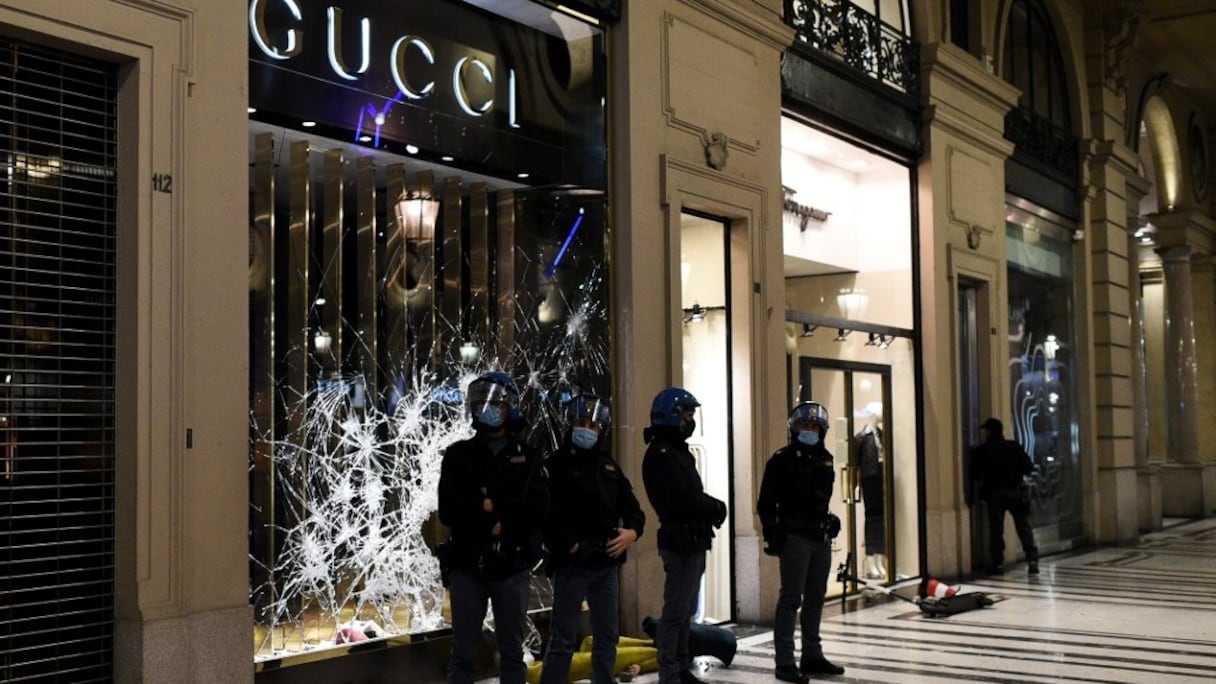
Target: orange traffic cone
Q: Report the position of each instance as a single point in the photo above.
(931, 588)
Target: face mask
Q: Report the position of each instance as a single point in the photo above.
(688, 427)
(584, 438)
(490, 416)
(808, 437)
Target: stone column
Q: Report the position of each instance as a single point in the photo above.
(1204, 316)
(1184, 487)
(1181, 372)
(1188, 477)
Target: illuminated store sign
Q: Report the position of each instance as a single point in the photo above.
(439, 76)
(415, 86)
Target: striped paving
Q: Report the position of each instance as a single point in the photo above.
(1142, 614)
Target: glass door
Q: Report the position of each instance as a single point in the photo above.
(857, 397)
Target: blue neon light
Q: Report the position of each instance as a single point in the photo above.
(565, 245)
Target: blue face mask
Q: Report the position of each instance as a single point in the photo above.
(490, 416)
(808, 437)
(584, 438)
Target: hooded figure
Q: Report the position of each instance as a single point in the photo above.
(998, 467)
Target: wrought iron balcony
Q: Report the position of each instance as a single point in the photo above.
(1038, 139)
(850, 34)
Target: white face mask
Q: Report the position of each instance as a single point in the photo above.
(808, 437)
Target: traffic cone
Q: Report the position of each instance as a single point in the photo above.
(931, 588)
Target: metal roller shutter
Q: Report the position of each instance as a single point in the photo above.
(57, 280)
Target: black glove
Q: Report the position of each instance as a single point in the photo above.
(774, 540)
(830, 526)
(720, 516)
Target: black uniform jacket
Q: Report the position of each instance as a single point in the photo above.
(591, 498)
(516, 482)
(687, 515)
(999, 464)
(796, 490)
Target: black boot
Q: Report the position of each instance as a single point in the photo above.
(687, 677)
(820, 666)
(789, 673)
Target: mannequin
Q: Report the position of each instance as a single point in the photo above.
(868, 443)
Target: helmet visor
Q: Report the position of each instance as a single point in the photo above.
(483, 393)
(584, 410)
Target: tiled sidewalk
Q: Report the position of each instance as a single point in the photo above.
(1142, 614)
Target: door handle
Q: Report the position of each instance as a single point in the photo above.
(847, 495)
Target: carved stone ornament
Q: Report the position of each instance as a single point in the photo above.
(715, 150)
(1120, 27)
(973, 236)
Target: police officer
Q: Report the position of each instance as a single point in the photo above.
(793, 507)
(687, 518)
(998, 465)
(594, 519)
(494, 495)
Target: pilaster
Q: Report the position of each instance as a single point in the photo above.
(962, 236)
(1113, 462)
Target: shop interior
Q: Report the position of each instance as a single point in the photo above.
(847, 232)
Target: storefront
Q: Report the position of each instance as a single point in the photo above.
(428, 196)
(850, 337)
(850, 139)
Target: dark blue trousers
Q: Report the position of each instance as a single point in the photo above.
(601, 589)
(469, 594)
(804, 580)
(683, 573)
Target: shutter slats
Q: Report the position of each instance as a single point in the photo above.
(57, 318)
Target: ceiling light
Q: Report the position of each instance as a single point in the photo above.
(808, 330)
(365, 138)
(842, 334)
(309, 124)
(251, 110)
(522, 174)
(412, 149)
(448, 158)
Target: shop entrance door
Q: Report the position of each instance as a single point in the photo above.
(858, 399)
(706, 372)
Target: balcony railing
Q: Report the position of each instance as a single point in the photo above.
(1040, 140)
(848, 33)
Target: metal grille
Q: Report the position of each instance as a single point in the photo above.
(57, 238)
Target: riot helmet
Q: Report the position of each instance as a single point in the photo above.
(493, 401)
(674, 407)
(588, 418)
(803, 416)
